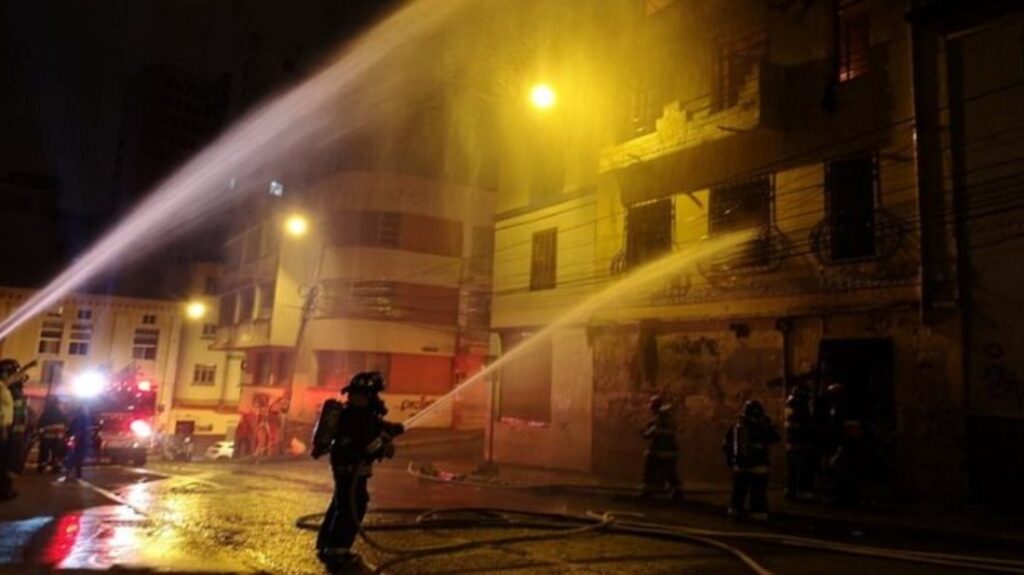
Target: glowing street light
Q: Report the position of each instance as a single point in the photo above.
(296, 225)
(543, 97)
(88, 384)
(195, 310)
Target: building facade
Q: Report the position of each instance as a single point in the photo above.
(804, 125)
(196, 391)
(393, 275)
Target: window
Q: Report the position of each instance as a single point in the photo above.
(227, 309)
(854, 39)
(269, 240)
(209, 331)
(266, 303)
(525, 391)
(388, 301)
(149, 319)
(204, 374)
(84, 314)
(735, 59)
(645, 109)
(246, 301)
(271, 368)
(145, 343)
(50, 336)
(739, 207)
(481, 252)
(335, 368)
(80, 337)
(850, 189)
(648, 231)
(53, 371)
(210, 285)
(544, 262)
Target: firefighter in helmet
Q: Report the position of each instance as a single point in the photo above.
(52, 426)
(662, 455)
(355, 434)
(802, 445)
(747, 445)
(10, 374)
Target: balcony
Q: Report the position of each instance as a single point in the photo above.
(249, 334)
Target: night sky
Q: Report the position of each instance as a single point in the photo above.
(66, 68)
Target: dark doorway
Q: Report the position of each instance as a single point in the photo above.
(864, 368)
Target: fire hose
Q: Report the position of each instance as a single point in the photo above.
(620, 524)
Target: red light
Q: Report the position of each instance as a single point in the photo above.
(145, 385)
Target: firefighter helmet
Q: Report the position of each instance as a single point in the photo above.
(799, 393)
(753, 408)
(9, 367)
(368, 382)
(658, 403)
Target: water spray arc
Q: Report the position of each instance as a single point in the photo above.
(646, 275)
(305, 115)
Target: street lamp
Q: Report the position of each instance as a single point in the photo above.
(195, 310)
(543, 97)
(296, 225)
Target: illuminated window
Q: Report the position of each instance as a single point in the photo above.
(744, 206)
(50, 336)
(145, 342)
(204, 374)
(735, 60)
(854, 39)
(648, 231)
(544, 261)
(850, 190)
(209, 331)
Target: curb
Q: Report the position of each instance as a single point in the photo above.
(850, 527)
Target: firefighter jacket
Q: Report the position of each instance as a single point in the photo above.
(800, 432)
(20, 415)
(6, 407)
(52, 423)
(357, 429)
(660, 434)
(747, 444)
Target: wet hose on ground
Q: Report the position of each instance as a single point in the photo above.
(623, 524)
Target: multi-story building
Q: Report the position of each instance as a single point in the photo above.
(167, 341)
(803, 124)
(393, 275)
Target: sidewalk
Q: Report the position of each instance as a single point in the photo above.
(979, 526)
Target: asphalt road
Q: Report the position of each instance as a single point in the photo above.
(241, 518)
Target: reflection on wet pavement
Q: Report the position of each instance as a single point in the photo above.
(15, 535)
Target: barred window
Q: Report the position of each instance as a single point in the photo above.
(854, 39)
(850, 189)
(649, 231)
(744, 206)
(735, 59)
(145, 343)
(544, 261)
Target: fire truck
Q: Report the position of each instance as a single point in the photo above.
(123, 407)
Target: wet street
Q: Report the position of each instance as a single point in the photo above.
(241, 518)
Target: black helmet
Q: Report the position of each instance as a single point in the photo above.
(9, 366)
(659, 403)
(799, 393)
(368, 382)
(753, 408)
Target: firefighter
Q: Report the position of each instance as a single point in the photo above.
(9, 369)
(662, 455)
(747, 452)
(79, 438)
(20, 432)
(355, 434)
(801, 444)
(52, 427)
(848, 457)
